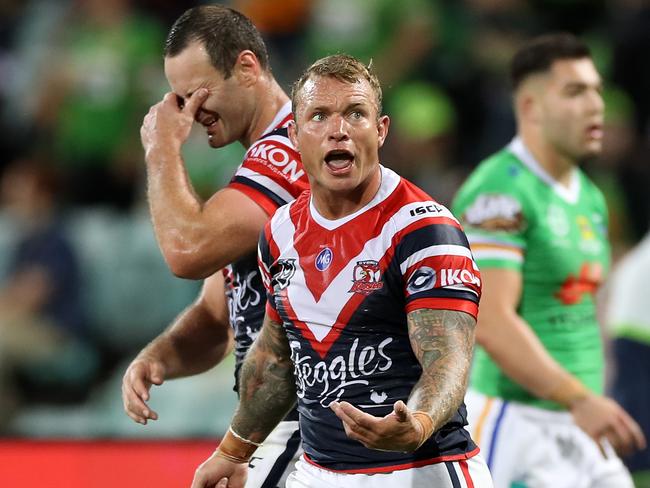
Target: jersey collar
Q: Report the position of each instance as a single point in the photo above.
(389, 181)
(571, 194)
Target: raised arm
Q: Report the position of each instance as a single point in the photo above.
(196, 341)
(267, 393)
(512, 344)
(196, 238)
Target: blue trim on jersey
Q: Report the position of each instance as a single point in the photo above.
(282, 461)
(434, 234)
(243, 180)
(455, 482)
(495, 434)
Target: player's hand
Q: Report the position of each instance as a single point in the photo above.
(168, 125)
(601, 417)
(397, 431)
(219, 472)
(140, 375)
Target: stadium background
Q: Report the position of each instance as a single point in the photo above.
(76, 78)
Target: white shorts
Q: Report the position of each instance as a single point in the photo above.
(532, 447)
(276, 458)
(471, 473)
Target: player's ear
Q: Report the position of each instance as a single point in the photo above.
(247, 67)
(292, 130)
(382, 128)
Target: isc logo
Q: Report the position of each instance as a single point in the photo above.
(431, 208)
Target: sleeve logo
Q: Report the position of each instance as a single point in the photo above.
(367, 277)
(495, 212)
(422, 279)
(282, 273)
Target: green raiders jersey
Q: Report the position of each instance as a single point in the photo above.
(516, 216)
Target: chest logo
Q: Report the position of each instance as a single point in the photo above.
(367, 277)
(324, 259)
(282, 272)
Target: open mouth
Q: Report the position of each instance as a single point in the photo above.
(595, 131)
(339, 160)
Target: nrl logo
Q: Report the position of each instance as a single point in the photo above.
(282, 273)
(367, 278)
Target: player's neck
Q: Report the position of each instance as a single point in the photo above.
(271, 99)
(558, 166)
(334, 205)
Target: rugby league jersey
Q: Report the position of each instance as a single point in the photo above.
(517, 217)
(272, 175)
(342, 290)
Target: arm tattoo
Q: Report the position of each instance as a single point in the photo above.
(442, 341)
(267, 388)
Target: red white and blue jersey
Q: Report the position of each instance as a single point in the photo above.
(272, 175)
(342, 290)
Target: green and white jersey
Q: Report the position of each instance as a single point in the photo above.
(516, 216)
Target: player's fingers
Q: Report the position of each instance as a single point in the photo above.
(157, 373)
(359, 417)
(638, 439)
(195, 101)
(171, 100)
(222, 483)
(401, 410)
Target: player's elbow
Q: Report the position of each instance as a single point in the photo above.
(187, 264)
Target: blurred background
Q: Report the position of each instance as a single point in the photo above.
(83, 285)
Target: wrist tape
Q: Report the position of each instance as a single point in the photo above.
(568, 392)
(426, 425)
(235, 448)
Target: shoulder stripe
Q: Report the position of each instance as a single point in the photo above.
(439, 250)
(265, 186)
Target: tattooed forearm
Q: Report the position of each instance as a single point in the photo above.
(442, 340)
(267, 388)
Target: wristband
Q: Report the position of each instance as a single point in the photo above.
(235, 448)
(568, 392)
(426, 426)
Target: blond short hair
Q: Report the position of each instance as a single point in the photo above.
(342, 67)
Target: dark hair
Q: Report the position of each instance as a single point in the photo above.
(223, 31)
(538, 54)
(344, 68)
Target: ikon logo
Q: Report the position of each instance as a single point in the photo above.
(458, 277)
(278, 157)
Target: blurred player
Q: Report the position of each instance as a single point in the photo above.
(370, 320)
(217, 66)
(538, 229)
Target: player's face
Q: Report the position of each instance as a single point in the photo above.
(572, 109)
(338, 133)
(226, 113)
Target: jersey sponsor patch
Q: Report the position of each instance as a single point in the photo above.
(268, 152)
(324, 259)
(423, 278)
(367, 277)
(494, 212)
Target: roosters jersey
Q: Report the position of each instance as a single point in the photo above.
(271, 175)
(342, 290)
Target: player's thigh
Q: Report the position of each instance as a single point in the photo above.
(517, 451)
(275, 459)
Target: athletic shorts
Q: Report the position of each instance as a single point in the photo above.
(276, 458)
(470, 473)
(530, 447)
